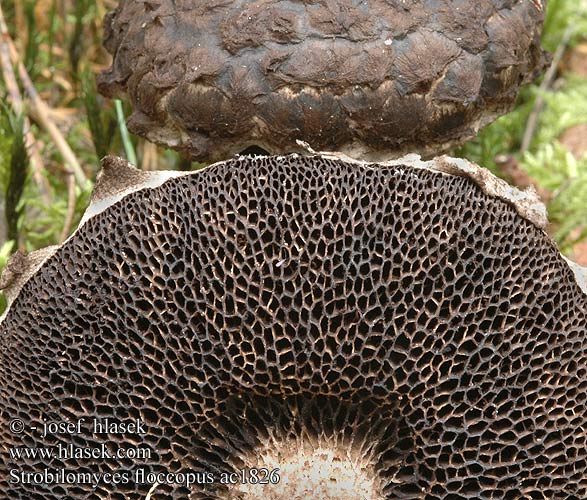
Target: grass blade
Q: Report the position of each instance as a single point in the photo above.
(128, 146)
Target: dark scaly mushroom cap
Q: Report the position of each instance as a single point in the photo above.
(391, 331)
(370, 79)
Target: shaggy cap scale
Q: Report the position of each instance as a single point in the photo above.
(370, 79)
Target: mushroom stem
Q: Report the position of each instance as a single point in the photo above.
(299, 471)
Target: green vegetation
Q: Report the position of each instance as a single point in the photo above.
(551, 167)
(59, 44)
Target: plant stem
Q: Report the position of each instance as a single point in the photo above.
(18, 107)
(40, 109)
(532, 122)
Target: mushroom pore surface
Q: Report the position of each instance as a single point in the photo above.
(370, 79)
(375, 332)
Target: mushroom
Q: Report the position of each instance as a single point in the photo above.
(336, 329)
(374, 80)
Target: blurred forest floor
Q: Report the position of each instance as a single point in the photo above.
(50, 53)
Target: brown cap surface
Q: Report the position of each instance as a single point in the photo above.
(372, 79)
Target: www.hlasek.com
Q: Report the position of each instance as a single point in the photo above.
(141, 476)
(65, 451)
(101, 429)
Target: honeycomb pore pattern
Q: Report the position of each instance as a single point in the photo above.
(395, 312)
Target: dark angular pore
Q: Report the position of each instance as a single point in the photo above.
(396, 311)
(371, 79)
